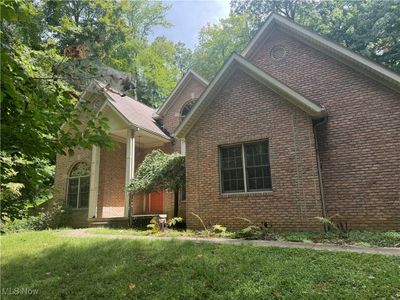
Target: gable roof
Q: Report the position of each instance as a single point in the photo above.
(346, 56)
(189, 75)
(132, 111)
(236, 61)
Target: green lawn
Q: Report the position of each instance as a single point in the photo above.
(96, 268)
(355, 237)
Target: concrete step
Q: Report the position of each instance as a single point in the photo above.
(109, 222)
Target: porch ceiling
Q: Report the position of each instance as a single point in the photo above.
(142, 138)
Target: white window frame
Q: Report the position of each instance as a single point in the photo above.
(78, 204)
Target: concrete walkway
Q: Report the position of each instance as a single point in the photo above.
(83, 233)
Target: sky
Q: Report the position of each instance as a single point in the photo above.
(189, 16)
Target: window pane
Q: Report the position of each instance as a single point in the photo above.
(80, 169)
(72, 196)
(84, 191)
(232, 169)
(258, 173)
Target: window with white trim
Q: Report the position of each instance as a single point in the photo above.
(78, 186)
(245, 167)
(186, 108)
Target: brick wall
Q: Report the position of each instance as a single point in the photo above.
(63, 166)
(360, 144)
(111, 199)
(245, 110)
(171, 120)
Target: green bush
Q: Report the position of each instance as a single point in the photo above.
(255, 231)
(52, 216)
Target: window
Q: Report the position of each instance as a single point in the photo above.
(186, 108)
(245, 167)
(78, 186)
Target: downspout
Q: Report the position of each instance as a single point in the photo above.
(317, 152)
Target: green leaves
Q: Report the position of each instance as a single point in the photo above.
(217, 42)
(159, 171)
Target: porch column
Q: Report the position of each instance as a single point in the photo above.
(130, 165)
(94, 182)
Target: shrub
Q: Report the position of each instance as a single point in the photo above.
(52, 216)
(255, 231)
(336, 225)
(209, 230)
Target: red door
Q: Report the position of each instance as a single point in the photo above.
(154, 202)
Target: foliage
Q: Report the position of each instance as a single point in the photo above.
(50, 51)
(217, 42)
(157, 72)
(214, 230)
(33, 110)
(159, 171)
(217, 228)
(115, 35)
(370, 28)
(153, 225)
(47, 218)
(171, 223)
(256, 231)
(336, 225)
(182, 270)
(202, 223)
(183, 57)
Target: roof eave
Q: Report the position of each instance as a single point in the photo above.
(342, 54)
(315, 111)
(178, 89)
(130, 124)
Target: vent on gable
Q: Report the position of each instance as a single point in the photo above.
(278, 52)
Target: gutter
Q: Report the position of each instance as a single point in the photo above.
(321, 186)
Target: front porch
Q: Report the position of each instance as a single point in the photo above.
(112, 170)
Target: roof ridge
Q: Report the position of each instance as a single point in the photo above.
(166, 105)
(122, 95)
(330, 48)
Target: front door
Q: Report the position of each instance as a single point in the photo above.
(154, 202)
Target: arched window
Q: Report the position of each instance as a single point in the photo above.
(186, 108)
(78, 186)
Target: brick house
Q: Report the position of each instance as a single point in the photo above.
(294, 127)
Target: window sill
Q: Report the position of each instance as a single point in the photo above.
(246, 194)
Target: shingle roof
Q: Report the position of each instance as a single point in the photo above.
(135, 112)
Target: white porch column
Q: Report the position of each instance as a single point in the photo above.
(130, 165)
(94, 182)
(183, 147)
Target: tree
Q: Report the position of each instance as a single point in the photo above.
(218, 41)
(160, 171)
(34, 106)
(260, 9)
(183, 57)
(156, 71)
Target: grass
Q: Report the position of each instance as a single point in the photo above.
(97, 268)
(355, 237)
